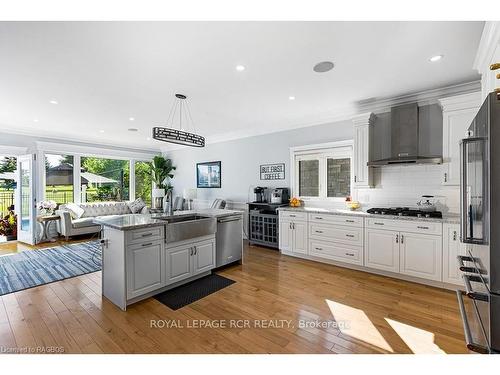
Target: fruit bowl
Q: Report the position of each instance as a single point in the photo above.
(295, 202)
(353, 205)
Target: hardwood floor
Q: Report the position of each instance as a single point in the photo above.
(374, 314)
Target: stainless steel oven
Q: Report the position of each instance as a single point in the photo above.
(479, 301)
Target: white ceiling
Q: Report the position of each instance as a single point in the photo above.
(103, 73)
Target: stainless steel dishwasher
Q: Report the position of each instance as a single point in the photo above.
(229, 239)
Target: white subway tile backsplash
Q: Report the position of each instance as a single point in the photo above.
(404, 185)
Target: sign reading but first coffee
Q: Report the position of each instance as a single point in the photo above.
(272, 171)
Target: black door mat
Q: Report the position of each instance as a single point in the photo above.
(193, 291)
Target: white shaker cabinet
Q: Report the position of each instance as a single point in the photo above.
(293, 237)
(382, 249)
(145, 271)
(452, 248)
(362, 174)
(204, 257)
(420, 255)
(458, 113)
(187, 259)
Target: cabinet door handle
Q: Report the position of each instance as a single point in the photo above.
(355, 178)
(289, 225)
(318, 231)
(190, 251)
(397, 238)
(454, 235)
(446, 177)
(422, 227)
(195, 250)
(349, 254)
(349, 221)
(350, 235)
(293, 226)
(147, 244)
(319, 218)
(402, 238)
(319, 248)
(378, 223)
(291, 215)
(147, 235)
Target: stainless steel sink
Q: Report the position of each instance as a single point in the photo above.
(181, 228)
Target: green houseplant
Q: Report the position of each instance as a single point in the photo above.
(8, 226)
(161, 173)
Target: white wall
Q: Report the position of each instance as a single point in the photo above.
(395, 185)
(242, 158)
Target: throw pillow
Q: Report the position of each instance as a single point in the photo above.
(137, 205)
(75, 210)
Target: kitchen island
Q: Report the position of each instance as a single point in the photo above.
(144, 255)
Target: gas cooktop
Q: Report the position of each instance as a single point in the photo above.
(405, 211)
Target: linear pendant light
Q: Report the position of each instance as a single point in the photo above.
(179, 136)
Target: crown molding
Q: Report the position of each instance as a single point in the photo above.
(463, 101)
(489, 39)
(54, 138)
(363, 119)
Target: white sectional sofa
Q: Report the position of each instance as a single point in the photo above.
(69, 225)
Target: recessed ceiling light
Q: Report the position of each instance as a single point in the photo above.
(148, 139)
(436, 58)
(131, 119)
(133, 129)
(101, 131)
(54, 102)
(35, 120)
(240, 68)
(291, 98)
(323, 67)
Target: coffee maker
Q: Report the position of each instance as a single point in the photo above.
(260, 194)
(280, 196)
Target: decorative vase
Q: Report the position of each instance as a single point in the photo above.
(157, 195)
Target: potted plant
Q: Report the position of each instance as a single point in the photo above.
(8, 226)
(161, 173)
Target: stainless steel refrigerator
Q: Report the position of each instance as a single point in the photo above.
(480, 229)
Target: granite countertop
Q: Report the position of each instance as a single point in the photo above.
(449, 218)
(130, 221)
(138, 221)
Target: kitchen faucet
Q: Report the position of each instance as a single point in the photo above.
(168, 207)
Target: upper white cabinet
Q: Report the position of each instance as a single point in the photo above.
(458, 113)
(362, 174)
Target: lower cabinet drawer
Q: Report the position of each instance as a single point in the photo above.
(139, 236)
(350, 221)
(336, 251)
(336, 233)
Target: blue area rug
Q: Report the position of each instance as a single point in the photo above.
(37, 267)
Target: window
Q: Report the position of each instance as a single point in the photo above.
(59, 178)
(309, 178)
(338, 177)
(143, 181)
(322, 172)
(104, 179)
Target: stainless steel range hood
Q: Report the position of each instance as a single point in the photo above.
(404, 139)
